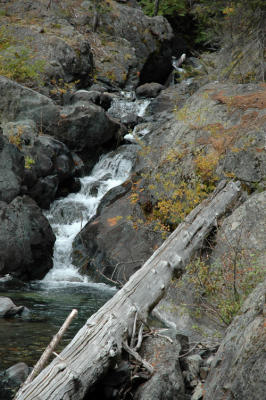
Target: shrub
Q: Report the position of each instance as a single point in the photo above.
(221, 288)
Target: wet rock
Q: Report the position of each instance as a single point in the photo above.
(8, 308)
(131, 120)
(11, 379)
(26, 240)
(238, 370)
(11, 170)
(103, 100)
(149, 90)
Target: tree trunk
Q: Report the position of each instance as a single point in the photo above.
(156, 7)
(101, 339)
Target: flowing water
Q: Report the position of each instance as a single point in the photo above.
(63, 288)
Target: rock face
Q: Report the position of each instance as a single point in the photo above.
(20, 103)
(238, 370)
(126, 44)
(150, 37)
(242, 233)
(11, 170)
(109, 246)
(62, 60)
(26, 240)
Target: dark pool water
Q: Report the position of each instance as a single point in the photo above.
(25, 338)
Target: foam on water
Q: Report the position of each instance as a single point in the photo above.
(127, 105)
(69, 215)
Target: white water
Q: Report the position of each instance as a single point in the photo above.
(128, 104)
(69, 215)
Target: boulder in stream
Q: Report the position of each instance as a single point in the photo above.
(11, 379)
(8, 308)
(26, 240)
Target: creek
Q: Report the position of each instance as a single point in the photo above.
(50, 301)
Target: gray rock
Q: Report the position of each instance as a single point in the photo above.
(53, 166)
(242, 234)
(20, 103)
(166, 382)
(8, 308)
(149, 89)
(11, 170)
(238, 370)
(192, 365)
(11, 379)
(18, 372)
(26, 240)
(85, 126)
(103, 100)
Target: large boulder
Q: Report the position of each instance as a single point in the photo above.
(52, 170)
(111, 245)
(238, 369)
(11, 170)
(85, 126)
(21, 103)
(26, 240)
(151, 39)
(50, 167)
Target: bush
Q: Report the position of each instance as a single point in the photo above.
(221, 287)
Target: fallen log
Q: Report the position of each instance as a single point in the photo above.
(102, 338)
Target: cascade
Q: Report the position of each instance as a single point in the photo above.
(49, 301)
(67, 216)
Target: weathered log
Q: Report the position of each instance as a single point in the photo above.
(101, 339)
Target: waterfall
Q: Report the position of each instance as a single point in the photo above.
(69, 215)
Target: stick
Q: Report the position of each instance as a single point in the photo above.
(49, 349)
(136, 355)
